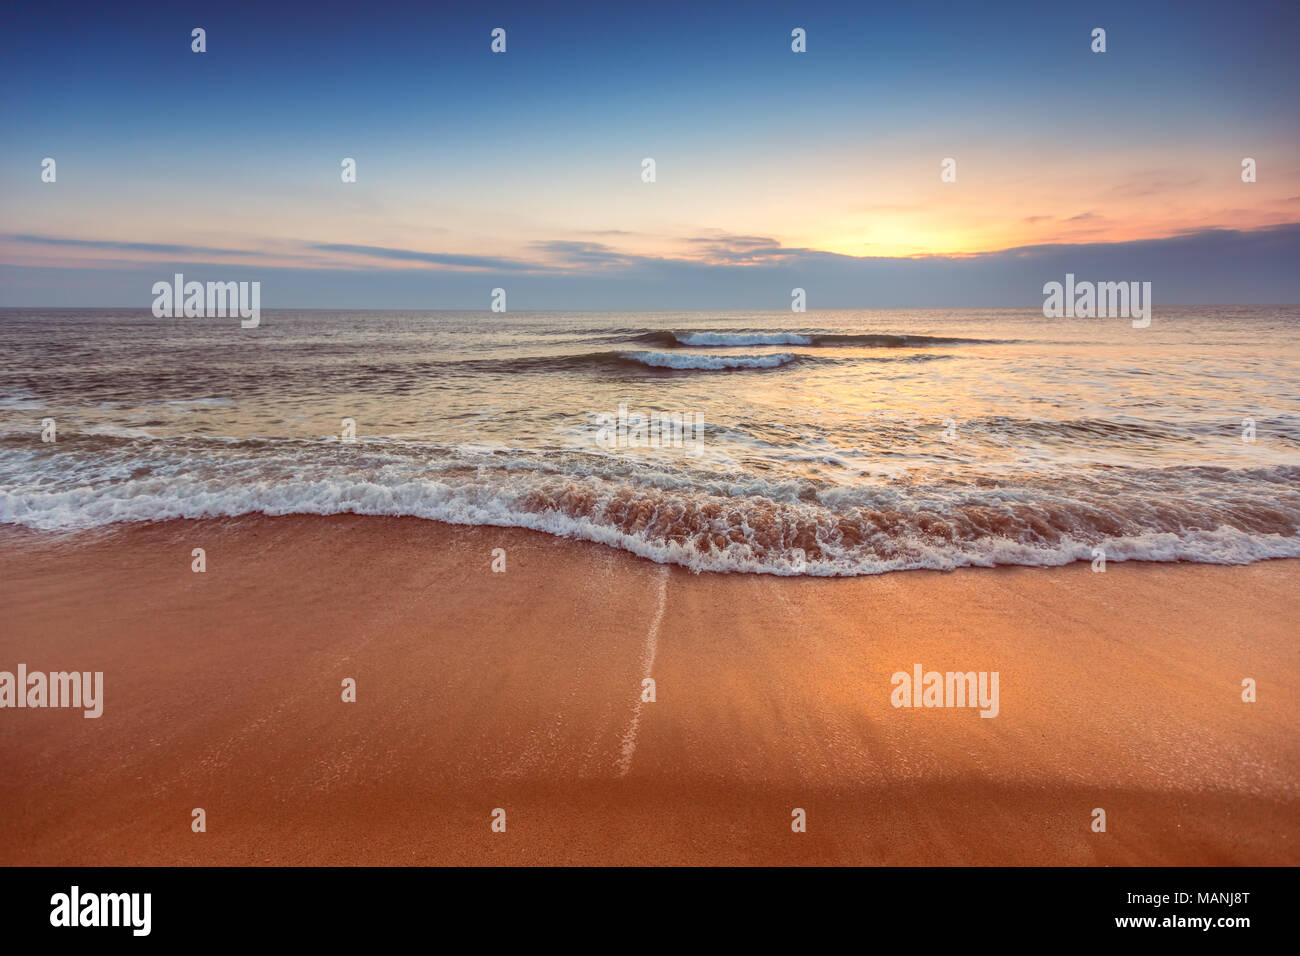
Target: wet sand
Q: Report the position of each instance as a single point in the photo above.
(522, 691)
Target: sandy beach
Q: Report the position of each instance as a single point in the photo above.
(522, 691)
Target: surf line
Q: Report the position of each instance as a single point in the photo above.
(648, 663)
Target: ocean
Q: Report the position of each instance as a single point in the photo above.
(817, 443)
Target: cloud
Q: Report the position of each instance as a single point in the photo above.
(432, 258)
(112, 245)
(569, 253)
(724, 248)
(1211, 266)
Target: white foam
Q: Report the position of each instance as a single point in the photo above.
(743, 338)
(709, 362)
(117, 431)
(512, 500)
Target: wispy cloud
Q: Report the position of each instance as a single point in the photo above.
(711, 271)
(1211, 266)
(112, 245)
(726, 248)
(569, 253)
(453, 260)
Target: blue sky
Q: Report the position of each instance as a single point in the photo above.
(774, 169)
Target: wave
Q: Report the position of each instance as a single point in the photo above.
(739, 338)
(670, 360)
(688, 339)
(676, 514)
(71, 383)
(620, 360)
(709, 362)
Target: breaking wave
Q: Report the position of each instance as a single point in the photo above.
(671, 513)
(709, 362)
(669, 339)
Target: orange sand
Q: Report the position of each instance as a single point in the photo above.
(522, 691)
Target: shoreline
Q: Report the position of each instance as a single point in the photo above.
(521, 690)
(21, 536)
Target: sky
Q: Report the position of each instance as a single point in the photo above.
(773, 169)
